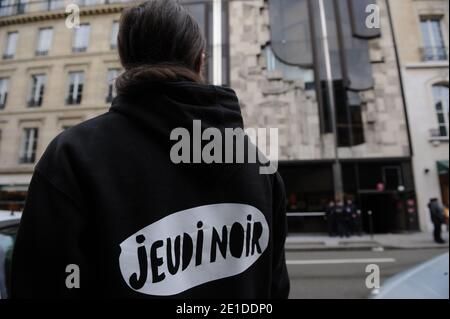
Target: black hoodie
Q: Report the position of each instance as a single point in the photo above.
(108, 213)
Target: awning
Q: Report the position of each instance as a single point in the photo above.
(442, 167)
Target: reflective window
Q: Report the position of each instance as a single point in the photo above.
(37, 87)
(433, 43)
(203, 12)
(54, 4)
(81, 38)
(440, 95)
(111, 90)
(28, 145)
(289, 72)
(3, 91)
(75, 91)
(333, 41)
(114, 33)
(349, 121)
(7, 7)
(356, 64)
(11, 45)
(45, 37)
(291, 31)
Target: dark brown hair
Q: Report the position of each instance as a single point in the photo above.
(159, 40)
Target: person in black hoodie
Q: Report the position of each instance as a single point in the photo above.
(110, 213)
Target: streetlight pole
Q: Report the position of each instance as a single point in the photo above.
(337, 169)
(217, 42)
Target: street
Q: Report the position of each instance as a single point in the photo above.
(341, 274)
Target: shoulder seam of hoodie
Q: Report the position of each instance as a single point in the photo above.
(56, 187)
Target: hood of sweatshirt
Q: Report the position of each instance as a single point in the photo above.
(163, 106)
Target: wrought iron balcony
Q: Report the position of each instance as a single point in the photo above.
(436, 53)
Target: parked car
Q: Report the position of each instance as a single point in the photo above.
(9, 224)
(428, 280)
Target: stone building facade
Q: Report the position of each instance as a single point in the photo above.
(268, 99)
(52, 114)
(422, 32)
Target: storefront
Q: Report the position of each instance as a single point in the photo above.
(13, 191)
(383, 187)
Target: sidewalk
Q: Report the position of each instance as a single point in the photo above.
(417, 240)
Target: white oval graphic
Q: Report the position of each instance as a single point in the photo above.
(192, 247)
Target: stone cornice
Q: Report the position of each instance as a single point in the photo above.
(60, 14)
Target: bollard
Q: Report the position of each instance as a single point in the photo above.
(370, 224)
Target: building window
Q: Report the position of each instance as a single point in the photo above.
(11, 44)
(75, 91)
(433, 42)
(212, 17)
(3, 91)
(11, 7)
(54, 4)
(81, 38)
(28, 145)
(112, 75)
(36, 90)
(440, 95)
(6, 7)
(114, 33)
(44, 43)
(392, 177)
(21, 6)
(291, 31)
(288, 72)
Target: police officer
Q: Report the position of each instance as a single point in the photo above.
(437, 217)
(350, 217)
(341, 218)
(331, 218)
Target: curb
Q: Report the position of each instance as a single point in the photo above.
(303, 247)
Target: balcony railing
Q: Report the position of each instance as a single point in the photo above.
(35, 103)
(41, 52)
(27, 159)
(79, 49)
(17, 7)
(73, 100)
(7, 56)
(436, 133)
(3, 99)
(434, 54)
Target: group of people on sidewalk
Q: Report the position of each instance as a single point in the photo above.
(343, 218)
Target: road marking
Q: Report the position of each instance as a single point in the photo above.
(341, 261)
